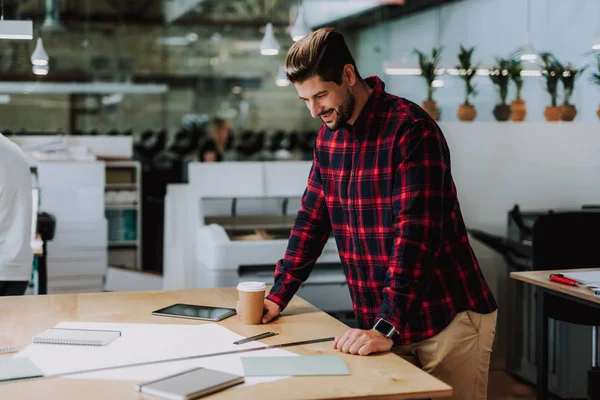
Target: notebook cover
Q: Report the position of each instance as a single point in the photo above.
(18, 368)
(190, 384)
(294, 366)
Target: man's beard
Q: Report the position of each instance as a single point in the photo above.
(345, 113)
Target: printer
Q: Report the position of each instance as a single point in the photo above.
(242, 214)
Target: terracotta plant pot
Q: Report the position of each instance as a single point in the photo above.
(466, 112)
(568, 112)
(552, 114)
(431, 107)
(518, 110)
(598, 112)
(502, 112)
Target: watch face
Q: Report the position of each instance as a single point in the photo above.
(384, 327)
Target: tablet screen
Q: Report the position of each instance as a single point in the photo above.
(197, 312)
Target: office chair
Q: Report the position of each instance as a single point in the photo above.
(571, 240)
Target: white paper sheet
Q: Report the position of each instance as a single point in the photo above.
(590, 278)
(148, 342)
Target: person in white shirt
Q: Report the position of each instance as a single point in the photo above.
(16, 255)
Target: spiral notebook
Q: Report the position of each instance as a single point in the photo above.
(8, 349)
(76, 337)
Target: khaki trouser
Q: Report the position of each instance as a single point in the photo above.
(459, 355)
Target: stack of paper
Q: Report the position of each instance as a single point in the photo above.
(141, 343)
(77, 256)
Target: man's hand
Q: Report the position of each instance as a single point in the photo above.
(270, 312)
(362, 342)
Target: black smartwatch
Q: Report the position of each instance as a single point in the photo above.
(385, 328)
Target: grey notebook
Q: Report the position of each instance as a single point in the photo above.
(190, 384)
(18, 368)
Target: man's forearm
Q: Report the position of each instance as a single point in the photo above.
(308, 237)
(304, 248)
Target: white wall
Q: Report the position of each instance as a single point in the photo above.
(496, 28)
(537, 165)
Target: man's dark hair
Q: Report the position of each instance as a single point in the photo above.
(323, 53)
(218, 122)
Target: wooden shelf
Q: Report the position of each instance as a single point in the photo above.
(125, 176)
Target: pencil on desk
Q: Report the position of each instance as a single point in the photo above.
(257, 337)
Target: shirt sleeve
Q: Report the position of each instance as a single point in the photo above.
(417, 201)
(308, 236)
(16, 255)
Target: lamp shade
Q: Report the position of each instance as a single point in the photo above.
(39, 55)
(269, 45)
(300, 29)
(40, 70)
(529, 53)
(596, 40)
(281, 80)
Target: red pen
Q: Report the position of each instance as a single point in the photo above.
(562, 279)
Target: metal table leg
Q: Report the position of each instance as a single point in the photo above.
(541, 333)
(43, 272)
(595, 347)
(594, 372)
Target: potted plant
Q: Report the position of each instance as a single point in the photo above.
(568, 77)
(500, 77)
(595, 78)
(551, 72)
(429, 71)
(467, 70)
(517, 106)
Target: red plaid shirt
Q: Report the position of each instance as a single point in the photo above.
(385, 188)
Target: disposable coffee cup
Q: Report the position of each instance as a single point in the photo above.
(252, 301)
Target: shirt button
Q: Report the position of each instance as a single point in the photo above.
(356, 141)
(364, 299)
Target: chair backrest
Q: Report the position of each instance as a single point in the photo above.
(566, 240)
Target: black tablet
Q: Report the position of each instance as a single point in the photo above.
(195, 312)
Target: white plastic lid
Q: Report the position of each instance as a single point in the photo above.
(251, 286)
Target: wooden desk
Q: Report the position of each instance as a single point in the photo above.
(383, 376)
(541, 279)
(547, 288)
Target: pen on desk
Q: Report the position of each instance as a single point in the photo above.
(563, 279)
(257, 337)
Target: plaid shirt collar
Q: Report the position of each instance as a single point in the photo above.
(368, 111)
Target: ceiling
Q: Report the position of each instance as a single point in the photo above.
(250, 13)
(203, 12)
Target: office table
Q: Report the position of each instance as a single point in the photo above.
(381, 376)
(547, 288)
